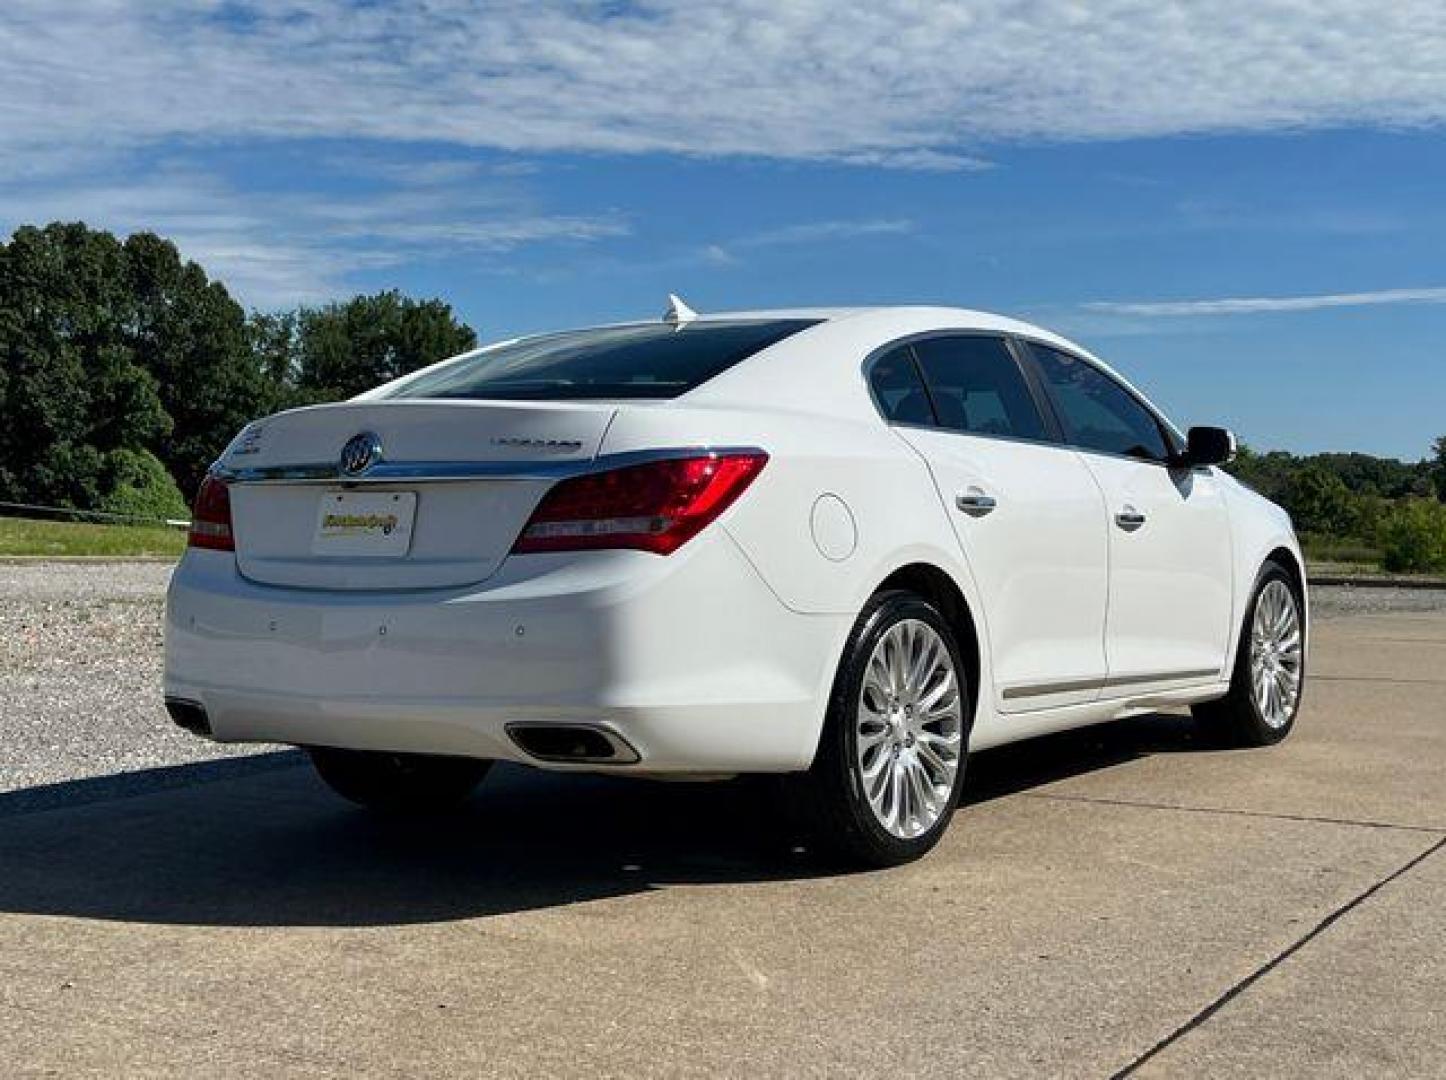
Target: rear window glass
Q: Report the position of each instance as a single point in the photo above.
(655, 360)
(899, 390)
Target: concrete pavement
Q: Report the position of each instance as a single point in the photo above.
(1121, 899)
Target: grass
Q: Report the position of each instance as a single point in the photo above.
(1331, 556)
(1329, 549)
(21, 536)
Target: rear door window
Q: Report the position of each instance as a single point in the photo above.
(977, 386)
(654, 360)
(898, 389)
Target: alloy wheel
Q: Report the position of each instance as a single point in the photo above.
(1276, 654)
(909, 728)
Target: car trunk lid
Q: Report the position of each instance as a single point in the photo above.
(440, 504)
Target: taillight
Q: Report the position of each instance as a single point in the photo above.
(211, 517)
(657, 506)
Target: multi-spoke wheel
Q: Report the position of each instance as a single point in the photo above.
(1269, 676)
(909, 728)
(1276, 651)
(891, 761)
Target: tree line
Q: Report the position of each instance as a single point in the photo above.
(1356, 507)
(124, 369)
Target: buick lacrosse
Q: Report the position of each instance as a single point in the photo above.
(845, 545)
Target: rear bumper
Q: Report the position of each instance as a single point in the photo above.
(691, 659)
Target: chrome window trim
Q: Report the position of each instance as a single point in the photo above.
(392, 472)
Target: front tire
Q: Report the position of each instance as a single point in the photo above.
(890, 764)
(1269, 678)
(398, 783)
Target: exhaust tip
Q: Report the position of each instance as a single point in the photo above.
(576, 744)
(190, 715)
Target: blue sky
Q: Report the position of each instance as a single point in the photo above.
(1239, 204)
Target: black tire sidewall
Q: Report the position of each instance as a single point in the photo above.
(869, 838)
(1263, 731)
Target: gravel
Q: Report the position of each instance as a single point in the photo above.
(1333, 601)
(80, 673)
(80, 668)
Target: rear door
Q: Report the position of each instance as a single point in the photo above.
(1027, 513)
(1170, 551)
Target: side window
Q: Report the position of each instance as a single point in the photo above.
(977, 386)
(897, 388)
(1099, 413)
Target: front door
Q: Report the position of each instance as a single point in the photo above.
(1169, 533)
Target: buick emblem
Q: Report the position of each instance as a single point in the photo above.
(360, 453)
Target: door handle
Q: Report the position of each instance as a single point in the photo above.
(1129, 519)
(975, 503)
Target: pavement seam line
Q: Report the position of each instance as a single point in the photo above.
(1432, 830)
(1255, 976)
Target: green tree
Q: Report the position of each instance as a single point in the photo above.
(110, 346)
(345, 348)
(119, 355)
(138, 485)
(1319, 502)
(72, 390)
(189, 333)
(1413, 535)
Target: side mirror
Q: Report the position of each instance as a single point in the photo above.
(1209, 446)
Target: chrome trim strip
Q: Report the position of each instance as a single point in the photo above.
(1074, 685)
(390, 472)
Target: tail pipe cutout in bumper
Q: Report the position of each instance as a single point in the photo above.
(569, 743)
(190, 715)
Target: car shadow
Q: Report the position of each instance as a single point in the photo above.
(258, 841)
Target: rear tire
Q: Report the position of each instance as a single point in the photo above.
(890, 763)
(398, 783)
(1268, 682)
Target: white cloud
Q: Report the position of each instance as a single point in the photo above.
(922, 160)
(812, 232)
(88, 88)
(800, 234)
(276, 249)
(1246, 305)
(890, 83)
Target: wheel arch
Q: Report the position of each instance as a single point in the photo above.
(939, 588)
(1290, 561)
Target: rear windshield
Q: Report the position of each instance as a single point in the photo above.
(648, 361)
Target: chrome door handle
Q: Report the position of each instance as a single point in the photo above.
(1129, 519)
(975, 503)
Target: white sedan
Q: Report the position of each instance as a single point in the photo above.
(847, 545)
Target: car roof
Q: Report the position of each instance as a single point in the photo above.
(890, 318)
(806, 366)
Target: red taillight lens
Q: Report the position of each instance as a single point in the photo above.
(658, 506)
(211, 517)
